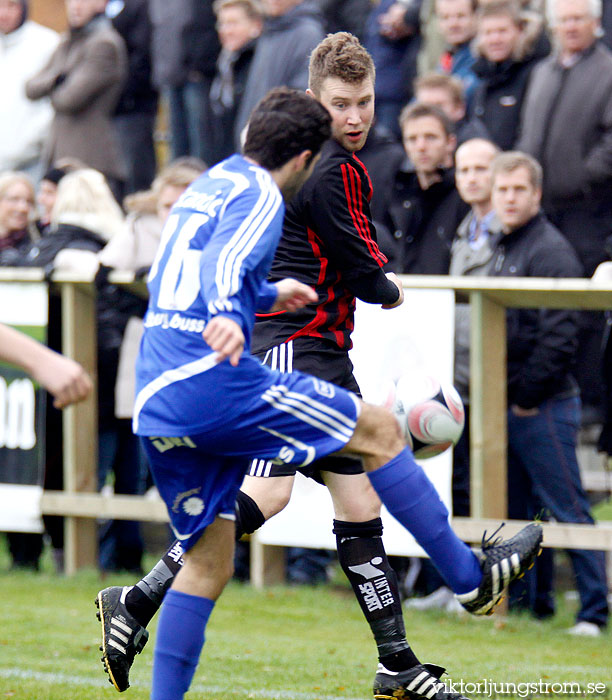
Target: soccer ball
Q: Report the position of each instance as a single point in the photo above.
(430, 414)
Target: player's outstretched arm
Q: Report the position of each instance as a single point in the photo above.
(400, 300)
(293, 295)
(62, 377)
(226, 338)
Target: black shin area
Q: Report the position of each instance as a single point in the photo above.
(145, 598)
(364, 561)
(248, 516)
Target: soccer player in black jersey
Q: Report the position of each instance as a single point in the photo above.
(329, 243)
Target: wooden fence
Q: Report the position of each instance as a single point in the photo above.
(489, 297)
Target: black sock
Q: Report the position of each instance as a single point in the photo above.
(248, 516)
(364, 561)
(145, 598)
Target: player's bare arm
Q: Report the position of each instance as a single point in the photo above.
(62, 377)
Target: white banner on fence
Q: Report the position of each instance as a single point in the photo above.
(22, 421)
(417, 336)
(20, 508)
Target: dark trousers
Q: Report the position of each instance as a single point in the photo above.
(120, 541)
(135, 134)
(189, 111)
(544, 479)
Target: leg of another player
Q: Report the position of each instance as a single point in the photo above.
(269, 495)
(207, 568)
(361, 553)
(257, 501)
(410, 497)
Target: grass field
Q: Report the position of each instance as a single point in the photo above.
(283, 643)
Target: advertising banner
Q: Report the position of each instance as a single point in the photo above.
(22, 414)
(387, 343)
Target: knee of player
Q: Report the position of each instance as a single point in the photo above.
(379, 430)
(276, 502)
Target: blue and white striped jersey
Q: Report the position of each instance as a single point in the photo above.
(214, 256)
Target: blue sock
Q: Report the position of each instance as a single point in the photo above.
(179, 641)
(411, 498)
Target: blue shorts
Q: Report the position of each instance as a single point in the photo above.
(288, 419)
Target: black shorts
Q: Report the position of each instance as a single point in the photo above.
(325, 360)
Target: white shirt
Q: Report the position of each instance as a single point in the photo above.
(24, 124)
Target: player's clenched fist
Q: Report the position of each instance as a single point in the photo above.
(64, 379)
(225, 337)
(396, 281)
(293, 295)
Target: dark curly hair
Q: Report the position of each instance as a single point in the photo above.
(284, 124)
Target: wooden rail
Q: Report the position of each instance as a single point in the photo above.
(489, 297)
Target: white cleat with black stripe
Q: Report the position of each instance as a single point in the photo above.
(122, 635)
(420, 682)
(502, 562)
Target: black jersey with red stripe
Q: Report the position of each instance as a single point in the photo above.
(329, 243)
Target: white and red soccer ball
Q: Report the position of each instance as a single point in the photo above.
(430, 413)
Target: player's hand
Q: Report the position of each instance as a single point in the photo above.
(225, 337)
(64, 379)
(293, 295)
(396, 281)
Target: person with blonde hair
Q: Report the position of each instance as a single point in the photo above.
(85, 217)
(134, 248)
(84, 199)
(17, 235)
(17, 214)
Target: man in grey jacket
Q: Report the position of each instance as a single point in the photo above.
(292, 29)
(567, 125)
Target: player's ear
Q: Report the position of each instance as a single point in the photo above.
(303, 160)
(310, 93)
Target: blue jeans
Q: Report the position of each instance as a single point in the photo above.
(544, 479)
(189, 113)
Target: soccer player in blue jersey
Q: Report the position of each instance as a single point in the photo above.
(205, 406)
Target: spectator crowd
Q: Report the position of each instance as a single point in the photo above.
(491, 154)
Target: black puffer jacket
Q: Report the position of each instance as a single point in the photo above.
(418, 227)
(498, 99)
(541, 342)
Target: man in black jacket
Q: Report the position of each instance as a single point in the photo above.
(135, 114)
(239, 24)
(543, 397)
(509, 43)
(423, 208)
(184, 50)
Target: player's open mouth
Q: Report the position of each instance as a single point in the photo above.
(354, 135)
